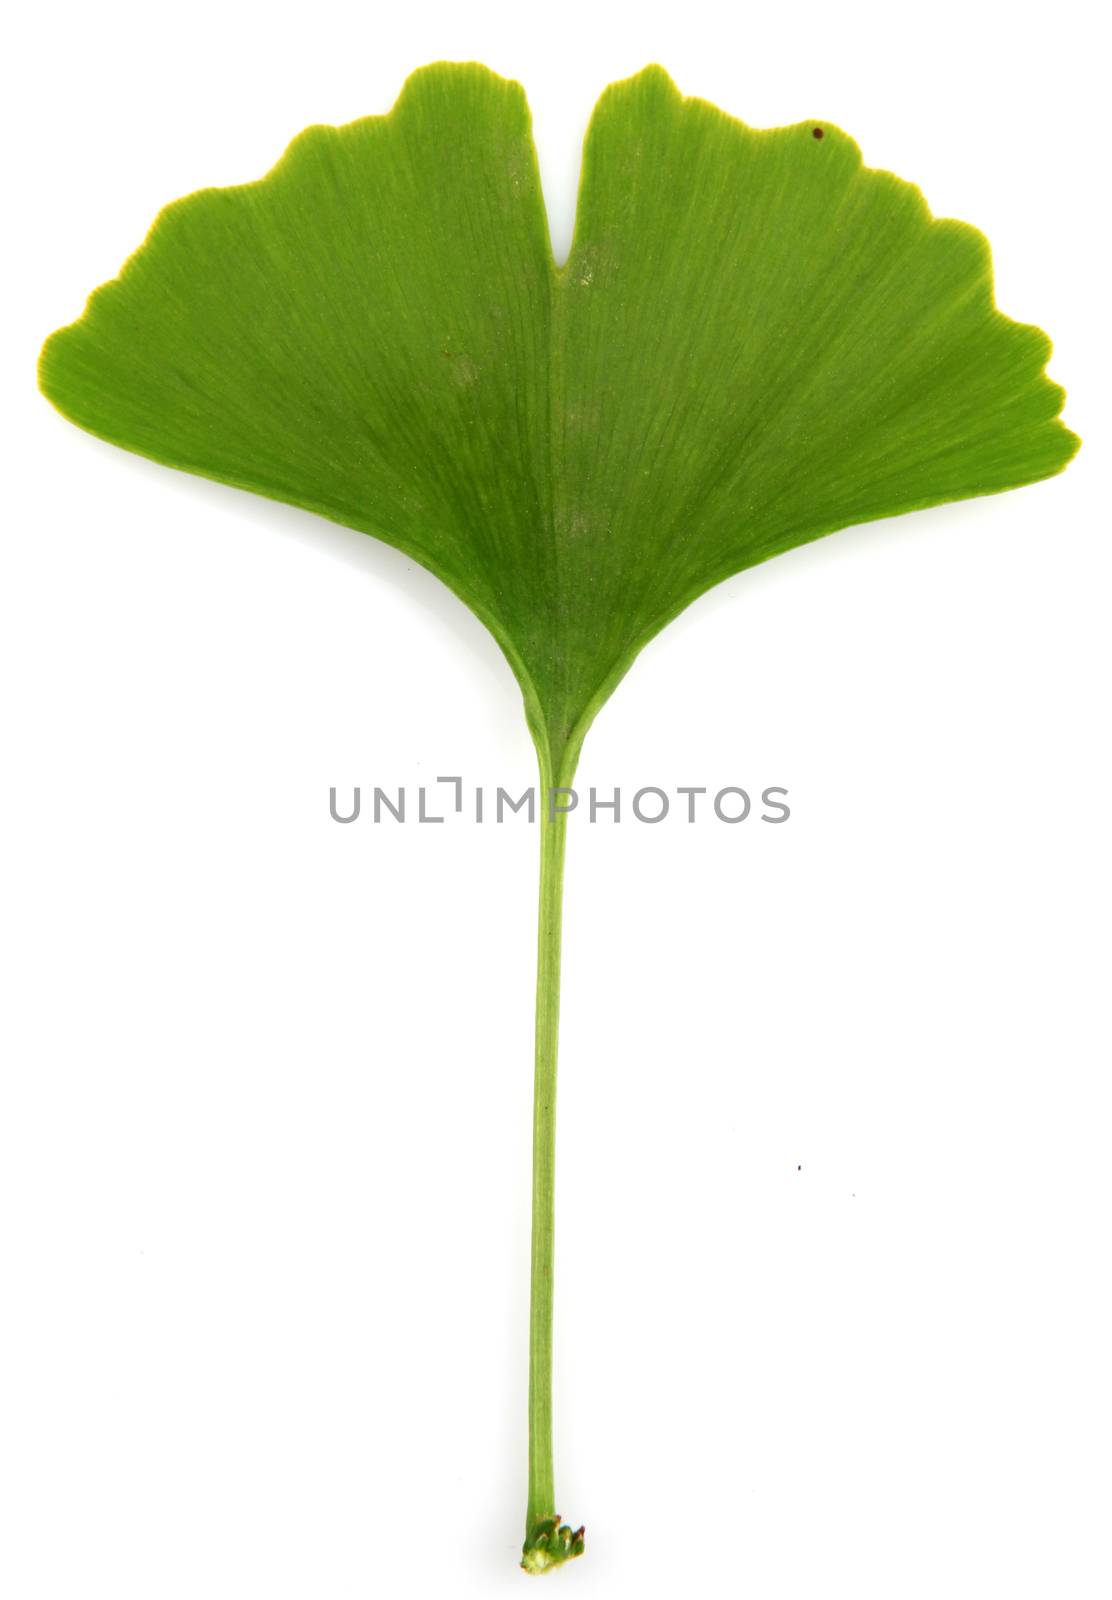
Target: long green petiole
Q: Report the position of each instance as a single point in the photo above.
(547, 1540)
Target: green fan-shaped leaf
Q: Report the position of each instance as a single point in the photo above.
(756, 340)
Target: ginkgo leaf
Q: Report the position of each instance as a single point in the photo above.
(756, 340)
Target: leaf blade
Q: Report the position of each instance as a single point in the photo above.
(755, 340)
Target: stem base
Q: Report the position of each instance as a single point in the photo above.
(549, 1544)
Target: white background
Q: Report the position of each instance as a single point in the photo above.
(833, 1214)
